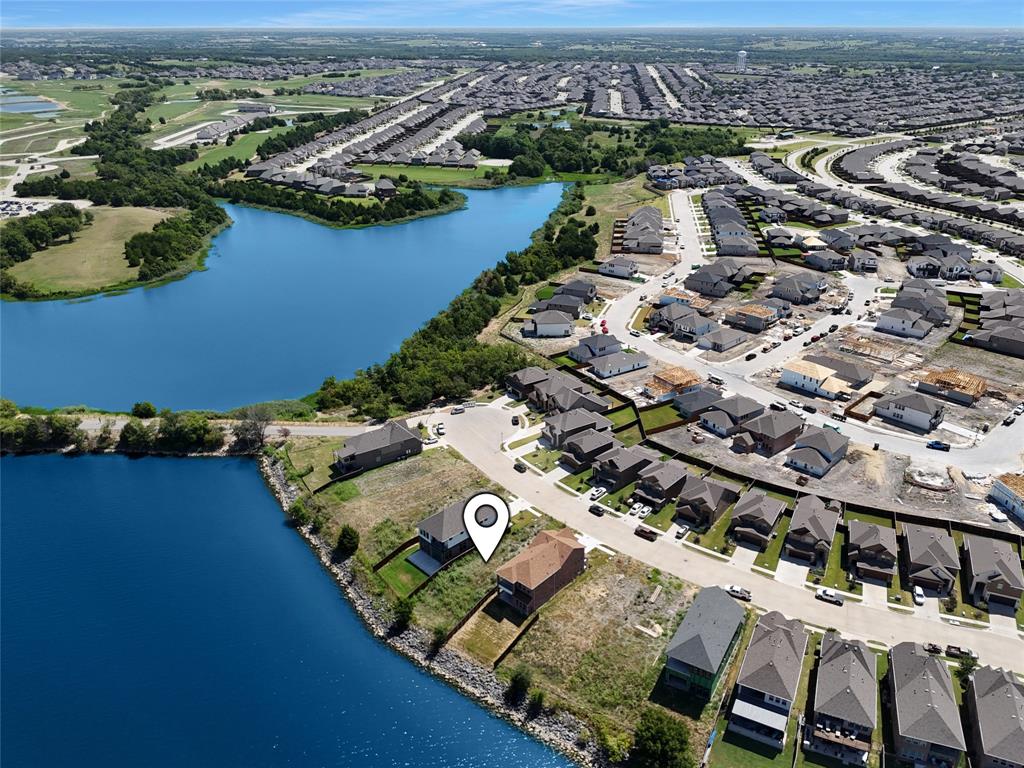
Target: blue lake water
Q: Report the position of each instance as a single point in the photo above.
(156, 612)
(283, 303)
(14, 101)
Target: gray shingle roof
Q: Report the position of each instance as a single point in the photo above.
(445, 523)
(703, 638)
(846, 688)
(774, 657)
(998, 698)
(923, 694)
(812, 516)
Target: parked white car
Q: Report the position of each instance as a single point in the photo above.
(829, 595)
(918, 596)
(597, 493)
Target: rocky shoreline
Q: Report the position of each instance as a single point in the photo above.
(559, 730)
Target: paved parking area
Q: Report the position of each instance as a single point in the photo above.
(875, 594)
(791, 572)
(743, 556)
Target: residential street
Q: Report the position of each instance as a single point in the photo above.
(476, 434)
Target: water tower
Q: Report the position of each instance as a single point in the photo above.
(741, 61)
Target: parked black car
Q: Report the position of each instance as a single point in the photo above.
(597, 509)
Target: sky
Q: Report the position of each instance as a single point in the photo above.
(66, 14)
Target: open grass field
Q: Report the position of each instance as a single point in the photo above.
(386, 503)
(585, 651)
(543, 459)
(243, 148)
(95, 259)
(616, 201)
(316, 453)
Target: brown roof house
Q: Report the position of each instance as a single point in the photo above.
(925, 716)
(661, 482)
(871, 550)
(534, 576)
(769, 680)
(561, 426)
(995, 711)
(930, 557)
(583, 448)
(993, 571)
(812, 530)
(773, 431)
(754, 517)
(391, 442)
(727, 415)
(622, 466)
(702, 501)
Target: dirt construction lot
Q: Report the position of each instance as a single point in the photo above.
(587, 650)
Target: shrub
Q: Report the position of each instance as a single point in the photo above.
(536, 704)
(348, 542)
(518, 684)
(403, 614)
(661, 741)
(144, 410)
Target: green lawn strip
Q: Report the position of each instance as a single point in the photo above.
(963, 608)
(661, 416)
(579, 481)
(714, 539)
(524, 441)
(545, 292)
(630, 436)
(621, 417)
(835, 574)
(866, 517)
(640, 321)
(897, 595)
(401, 575)
(662, 519)
(564, 360)
(1009, 281)
(543, 459)
(769, 558)
(617, 499)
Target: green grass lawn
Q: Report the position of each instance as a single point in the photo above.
(629, 436)
(866, 517)
(543, 459)
(523, 441)
(564, 360)
(401, 575)
(617, 499)
(714, 539)
(897, 595)
(661, 416)
(769, 558)
(579, 481)
(95, 259)
(964, 609)
(1009, 281)
(640, 321)
(545, 292)
(662, 519)
(243, 148)
(621, 417)
(835, 574)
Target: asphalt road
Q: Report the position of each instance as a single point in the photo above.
(477, 435)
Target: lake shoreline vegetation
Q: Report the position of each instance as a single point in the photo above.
(558, 729)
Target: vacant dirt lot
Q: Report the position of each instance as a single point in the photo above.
(586, 650)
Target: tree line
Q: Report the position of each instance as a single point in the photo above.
(444, 359)
(219, 94)
(334, 210)
(21, 237)
(307, 128)
(567, 151)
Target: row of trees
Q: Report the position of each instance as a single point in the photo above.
(307, 128)
(335, 210)
(219, 94)
(655, 142)
(444, 359)
(22, 237)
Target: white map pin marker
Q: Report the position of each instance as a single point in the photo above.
(486, 519)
